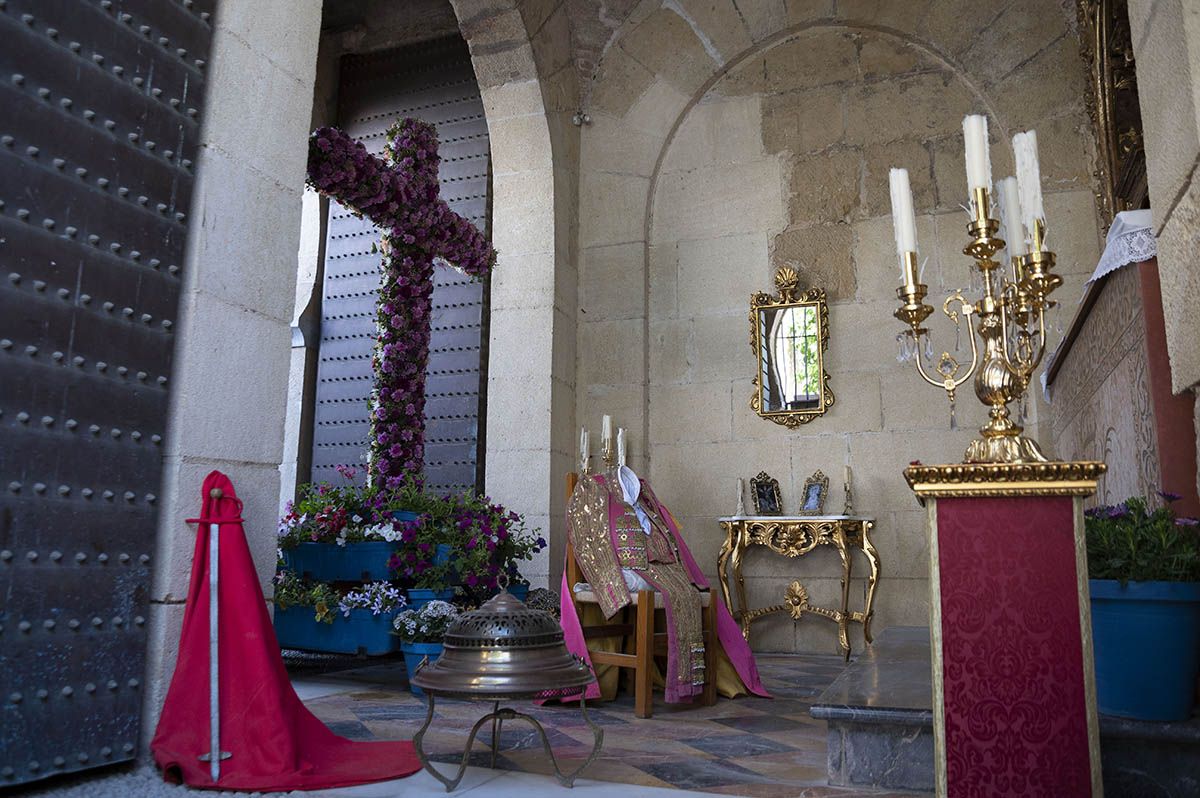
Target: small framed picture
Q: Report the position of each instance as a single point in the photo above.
(767, 499)
(812, 501)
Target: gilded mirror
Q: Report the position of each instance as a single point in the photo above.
(789, 333)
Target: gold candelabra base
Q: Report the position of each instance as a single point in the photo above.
(1012, 448)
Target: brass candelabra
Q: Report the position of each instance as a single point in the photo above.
(1010, 318)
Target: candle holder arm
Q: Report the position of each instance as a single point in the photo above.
(948, 368)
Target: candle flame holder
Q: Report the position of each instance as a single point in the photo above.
(1010, 320)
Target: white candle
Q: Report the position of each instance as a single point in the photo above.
(621, 446)
(1029, 179)
(904, 221)
(1014, 230)
(979, 165)
(583, 449)
(605, 433)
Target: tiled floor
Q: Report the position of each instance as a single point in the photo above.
(765, 748)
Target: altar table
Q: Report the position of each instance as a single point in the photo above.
(796, 536)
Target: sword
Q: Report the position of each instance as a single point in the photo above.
(215, 754)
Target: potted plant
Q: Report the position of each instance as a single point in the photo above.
(334, 533)
(1144, 566)
(315, 616)
(420, 632)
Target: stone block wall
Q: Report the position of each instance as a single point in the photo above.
(1102, 402)
(1166, 44)
(232, 355)
(725, 143)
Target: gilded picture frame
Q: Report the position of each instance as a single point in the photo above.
(764, 489)
(812, 498)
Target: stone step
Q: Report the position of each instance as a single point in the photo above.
(880, 719)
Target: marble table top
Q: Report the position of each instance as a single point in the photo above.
(728, 518)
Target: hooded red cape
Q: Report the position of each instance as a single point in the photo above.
(275, 742)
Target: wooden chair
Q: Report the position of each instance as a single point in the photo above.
(646, 643)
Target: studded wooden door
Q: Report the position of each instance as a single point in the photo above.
(435, 82)
(101, 108)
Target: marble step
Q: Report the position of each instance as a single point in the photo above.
(880, 719)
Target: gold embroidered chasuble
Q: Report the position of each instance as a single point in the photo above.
(608, 537)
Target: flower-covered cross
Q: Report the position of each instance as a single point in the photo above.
(400, 194)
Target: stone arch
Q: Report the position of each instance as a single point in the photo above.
(531, 345)
(680, 379)
(664, 59)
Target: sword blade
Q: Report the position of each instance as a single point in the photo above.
(214, 688)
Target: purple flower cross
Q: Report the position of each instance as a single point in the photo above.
(400, 194)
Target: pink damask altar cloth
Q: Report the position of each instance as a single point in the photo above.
(1014, 691)
(607, 536)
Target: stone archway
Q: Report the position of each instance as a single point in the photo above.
(661, 229)
(228, 404)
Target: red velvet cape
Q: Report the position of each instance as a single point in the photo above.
(275, 742)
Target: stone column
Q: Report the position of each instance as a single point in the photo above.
(232, 352)
(1166, 44)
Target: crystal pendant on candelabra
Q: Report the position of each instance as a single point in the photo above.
(953, 418)
(928, 348)
(908, 347)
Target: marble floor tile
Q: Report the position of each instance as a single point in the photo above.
(751, 746)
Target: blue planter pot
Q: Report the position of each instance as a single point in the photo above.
(361, 633)
(519, 592)
(413, 654)
(418, 597)
(404, 515)
(1147, 645)
(329, 562)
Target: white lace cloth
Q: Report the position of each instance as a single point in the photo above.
(1130, 240)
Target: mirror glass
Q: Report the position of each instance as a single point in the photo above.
(790, 358)
(790, 336)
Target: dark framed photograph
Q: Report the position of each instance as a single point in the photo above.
(812, 501)
(767, 499)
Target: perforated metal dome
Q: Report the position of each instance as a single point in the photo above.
(505, 649)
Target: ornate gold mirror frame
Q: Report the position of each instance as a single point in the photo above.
(787, 283)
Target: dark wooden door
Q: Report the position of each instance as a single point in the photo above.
(98, 135)
(435, 82)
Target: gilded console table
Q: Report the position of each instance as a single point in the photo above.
(796, 536)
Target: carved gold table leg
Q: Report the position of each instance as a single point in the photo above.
(872, 580)
(744, 619)
(722, 562)
(843, 617)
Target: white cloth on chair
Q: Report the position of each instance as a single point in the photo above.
(633, 580)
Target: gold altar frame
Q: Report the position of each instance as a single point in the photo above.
(1076, 479)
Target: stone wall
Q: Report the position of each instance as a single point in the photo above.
(728, 139)
(228, 400)
(1166, 43)
(1102, 404)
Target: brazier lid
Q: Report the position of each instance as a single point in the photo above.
(505, 648)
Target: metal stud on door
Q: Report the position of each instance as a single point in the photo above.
(98, 144)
